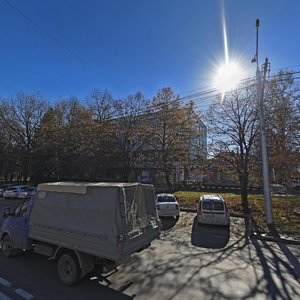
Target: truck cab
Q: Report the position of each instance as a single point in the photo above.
(14, 231)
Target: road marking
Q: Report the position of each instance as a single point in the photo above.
(24, 294)
(4, 297)
(4, 282)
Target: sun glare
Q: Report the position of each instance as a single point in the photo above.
(228, 76)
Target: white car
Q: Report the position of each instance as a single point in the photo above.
(30, 191)
(212, 209)
(13, 191)
(167, 205)
(3, 187)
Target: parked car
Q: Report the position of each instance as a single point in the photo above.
(3, 187)
(278, 189)
(30, 191)
(13, 191)
(167, 205)
(296, 183)
(212, 209)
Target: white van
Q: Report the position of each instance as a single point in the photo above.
(212, 209)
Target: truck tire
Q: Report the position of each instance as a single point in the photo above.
(6, 246)
(68, 269)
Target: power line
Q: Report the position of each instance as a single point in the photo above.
(205, 97)
(194, 96)
(62, 45)
(216, 92)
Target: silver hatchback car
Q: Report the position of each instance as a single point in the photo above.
(212, 209)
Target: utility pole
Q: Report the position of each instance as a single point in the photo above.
(261, 79)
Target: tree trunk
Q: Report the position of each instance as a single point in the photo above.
(246, 210)
(168, 182)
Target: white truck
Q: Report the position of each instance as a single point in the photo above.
(82, 225)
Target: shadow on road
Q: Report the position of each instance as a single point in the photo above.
(209, 236)
(172, 269)
(167, 223)
(28, 268)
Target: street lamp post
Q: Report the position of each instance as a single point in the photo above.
(260, 79)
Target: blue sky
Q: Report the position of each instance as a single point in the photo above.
(125, 46)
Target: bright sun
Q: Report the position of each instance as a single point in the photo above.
(228, 76)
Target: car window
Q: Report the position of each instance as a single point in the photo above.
(24, 207)
(166, 199)
(212, 205)
(4, 186)
(11, 189)
(21, 209)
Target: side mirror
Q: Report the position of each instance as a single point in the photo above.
(6, 212)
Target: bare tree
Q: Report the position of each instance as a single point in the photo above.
(21, 117)
(233, 127)
(283, 126)
(5, 147)
(129, 133)
(170, 130)
(101, 105)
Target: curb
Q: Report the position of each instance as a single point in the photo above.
(192, 210)
(188, 210)
(274, 239)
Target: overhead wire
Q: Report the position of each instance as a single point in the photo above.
(216, 92)
(61, 44)
(204, 98)
(198, 95)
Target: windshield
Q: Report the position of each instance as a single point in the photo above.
(212, 205)
(166, 199)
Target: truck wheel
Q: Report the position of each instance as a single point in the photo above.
(6, 246)
(68, 270)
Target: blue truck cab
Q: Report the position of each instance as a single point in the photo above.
(14, 230)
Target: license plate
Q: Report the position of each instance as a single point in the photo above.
(210, 216)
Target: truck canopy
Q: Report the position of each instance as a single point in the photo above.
(110, 220)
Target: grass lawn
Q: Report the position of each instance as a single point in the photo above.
(283, 206)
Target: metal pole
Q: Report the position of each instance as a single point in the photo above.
(257, 26)
(264, 148)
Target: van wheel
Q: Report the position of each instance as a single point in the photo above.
(6, 247)
(68, 269)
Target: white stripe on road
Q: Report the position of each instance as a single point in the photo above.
(4, 297)
(4, 282)
(24, 294)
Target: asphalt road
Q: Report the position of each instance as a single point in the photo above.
(188, 262)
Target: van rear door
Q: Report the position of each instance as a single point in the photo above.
(213, 211)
